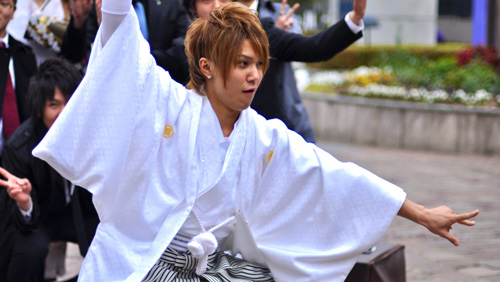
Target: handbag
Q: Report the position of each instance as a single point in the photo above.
(386, 263)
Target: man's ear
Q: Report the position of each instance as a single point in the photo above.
(206, 67)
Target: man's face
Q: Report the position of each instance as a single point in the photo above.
(7, 9)
(235, 93)
(53, 107)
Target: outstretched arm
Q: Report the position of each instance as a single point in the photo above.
(80, 32)
(320, 47)
(122, 67)
(439, 220)
(286, 46)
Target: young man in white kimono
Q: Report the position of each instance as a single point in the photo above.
(179, 176)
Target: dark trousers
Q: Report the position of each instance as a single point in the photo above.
(25, 257)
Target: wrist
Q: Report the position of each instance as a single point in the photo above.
(25, 205)
(355, 18)
(414, 212)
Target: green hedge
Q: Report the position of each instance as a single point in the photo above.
(359, 55)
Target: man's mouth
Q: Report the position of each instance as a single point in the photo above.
(250, 91)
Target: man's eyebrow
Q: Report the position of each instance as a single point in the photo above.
(246, 57)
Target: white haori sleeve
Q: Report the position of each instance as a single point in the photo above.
(311, 215)
(111, 128)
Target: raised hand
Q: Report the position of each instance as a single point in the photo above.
(285, 19)
(438, 220)
(17, 188)
(80, 10)
(358, 11)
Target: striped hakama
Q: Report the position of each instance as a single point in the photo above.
(177, 266)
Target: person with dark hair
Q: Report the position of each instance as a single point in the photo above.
(38, 205)
(278, 96)
(17, 65)
(191, 184)
(54, 79)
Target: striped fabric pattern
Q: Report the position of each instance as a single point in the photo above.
(174, 266)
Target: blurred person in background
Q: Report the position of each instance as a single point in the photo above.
(17, 65)
(163, 24)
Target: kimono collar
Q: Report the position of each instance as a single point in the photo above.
(210, 134)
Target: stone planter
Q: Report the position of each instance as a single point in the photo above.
(405, 125)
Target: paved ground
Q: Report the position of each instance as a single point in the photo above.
(464, 183)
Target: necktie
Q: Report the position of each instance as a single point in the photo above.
(141, 16)
(10, 116)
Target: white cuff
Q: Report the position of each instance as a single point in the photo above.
(116, 7)
(354, 27)
(27, 213)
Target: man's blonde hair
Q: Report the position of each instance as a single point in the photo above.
(219, 39)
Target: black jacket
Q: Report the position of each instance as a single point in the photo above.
(167, 25)
(48, 191)
(278, 96)
(285, 46)
(24, 67)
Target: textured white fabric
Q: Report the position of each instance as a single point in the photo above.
(135, 142)
(210, 159)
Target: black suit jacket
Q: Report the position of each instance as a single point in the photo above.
(167, 25)
(285, 46)
(278, 96)
(24, 67)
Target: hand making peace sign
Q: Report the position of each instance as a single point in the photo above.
(17, 188)
(285, 19)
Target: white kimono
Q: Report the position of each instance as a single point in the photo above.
(132, 136)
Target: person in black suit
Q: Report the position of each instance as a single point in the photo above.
(17, 65)
(166, 25)
(38, 205)
(275, 98)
